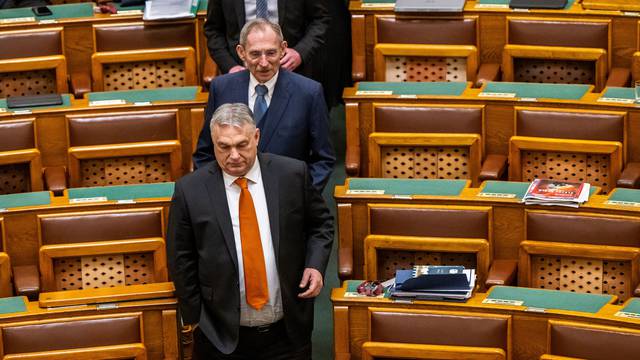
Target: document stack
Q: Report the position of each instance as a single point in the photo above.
(552, 192)
(425, 282)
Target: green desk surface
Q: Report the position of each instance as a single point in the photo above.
(25, 199)
(132, 96)
(627, 195)
(535, 90)
(415, 88)
(124, 192)
(66, 102)
(619, 93)
(409, 186)
(632, 306)
(126, 8)
(13, 304)
(506, 2)
(65, 11)
(202, 5)
(551, 299)
(515, 187)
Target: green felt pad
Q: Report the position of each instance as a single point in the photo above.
(59, 12)
(37, 198)
(506, 2)
(132, 96)
(409, 186)
(12, 304)
(535, 90)
(632, 306)
(551, 299)
(622, 194)
(66, 102)
(415, 88)
(619, 93)
(124, 192)
(506, 187)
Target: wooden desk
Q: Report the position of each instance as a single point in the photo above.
(492, 30)
(529, 329)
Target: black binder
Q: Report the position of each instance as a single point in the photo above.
(537, 4)
(33, 101)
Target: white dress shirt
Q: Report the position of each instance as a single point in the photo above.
(272, 311)
(250, 10)
(271, 84)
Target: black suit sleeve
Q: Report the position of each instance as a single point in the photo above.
(322, 157)
(182, 258)
(318, 227)
(316, 16)
(216, 31)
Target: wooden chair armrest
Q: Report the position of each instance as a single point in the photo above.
(209, 71)
(619, 77)
(493, 168)
(26, 280)
(106, 295)
(630, 176)
(80, 84)
(487, 72)
(502, 272)
(55, 179)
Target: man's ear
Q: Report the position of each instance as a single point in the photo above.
(257, 135)
(240, 51)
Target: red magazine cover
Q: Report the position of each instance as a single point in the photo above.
(553, 189)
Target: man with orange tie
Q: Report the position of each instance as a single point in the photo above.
(248, 241)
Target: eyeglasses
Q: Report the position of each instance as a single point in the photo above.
(270, 54)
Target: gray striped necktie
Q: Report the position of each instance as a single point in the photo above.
(262, 9)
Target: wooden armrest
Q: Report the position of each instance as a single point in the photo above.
(636, 291)
(55, 179)
(80, 84)
(486, 73)
(619, 77)
(493, 168)
(345, 263)
(106, 295)
(26, 280)
(630, 177)
(209, 71)
(502, 272)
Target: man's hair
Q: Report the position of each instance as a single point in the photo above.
(236, 114)
(262, 25)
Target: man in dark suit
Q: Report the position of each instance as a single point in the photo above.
(289, 109)
(248, 304)
(303, 22)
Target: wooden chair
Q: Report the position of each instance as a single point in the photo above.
(431, 142)
(572, 340)
(40, 67)
(88, 257)
(584, 146)
(413, 50)
(144, 56)
(20, 163)
(588, 253)
(560, 51)
(113, 336)
(123, 148)
(5, 266)
(403, 236)
(436, 335)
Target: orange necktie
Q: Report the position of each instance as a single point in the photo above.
(255, 273)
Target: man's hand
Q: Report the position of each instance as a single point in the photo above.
(291, 59)
(313, 278)
(236, 69)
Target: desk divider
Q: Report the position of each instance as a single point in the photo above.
(543, 299)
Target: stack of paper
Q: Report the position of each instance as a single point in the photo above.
(169, 9)
(448, 283)
(552, 192)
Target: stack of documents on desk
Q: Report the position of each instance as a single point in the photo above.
(169, 9)
(552, 192)
(447, 283)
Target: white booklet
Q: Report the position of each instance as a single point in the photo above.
(169, 9)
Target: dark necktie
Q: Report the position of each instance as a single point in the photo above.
(260, 106)
(261, 9)
(255, 273)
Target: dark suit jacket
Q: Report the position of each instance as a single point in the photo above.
(303, 23)
(202, 255)
(296, 124)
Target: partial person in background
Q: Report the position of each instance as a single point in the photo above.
(289, 109)
(12, 4)
(303, 23)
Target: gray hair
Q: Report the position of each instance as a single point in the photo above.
(259, 24)
(237, 114)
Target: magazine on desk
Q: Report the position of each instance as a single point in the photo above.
(443, 283)
(553, 192)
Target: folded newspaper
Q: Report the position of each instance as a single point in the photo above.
(553, 192)
(169, 9)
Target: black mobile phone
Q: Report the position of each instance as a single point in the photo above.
(41, 10)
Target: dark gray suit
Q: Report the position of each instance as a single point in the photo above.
(202, 255)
